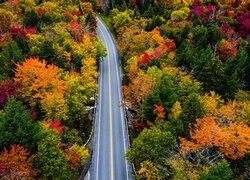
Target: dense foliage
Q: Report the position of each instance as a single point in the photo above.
(49, 54)
(186, 65)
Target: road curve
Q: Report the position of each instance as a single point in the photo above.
(110, 141)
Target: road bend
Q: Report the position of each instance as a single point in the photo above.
(111, 140)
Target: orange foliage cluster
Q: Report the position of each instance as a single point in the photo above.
(16, 163)
(168, 47)
(232, 140)
(74, 158)
(159, 111)
(139, 88)
(228, 49)
(38, 78)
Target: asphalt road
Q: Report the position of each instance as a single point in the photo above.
(110, 141)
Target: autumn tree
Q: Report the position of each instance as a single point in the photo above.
(211, 102)
(139, 88)
(232, 140)
(16, 163)
(17, 127)
(77, 95)
(148, 171)
(42, 84)
(120, 21)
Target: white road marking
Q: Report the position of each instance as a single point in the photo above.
(99, 124)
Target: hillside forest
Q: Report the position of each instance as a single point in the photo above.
(186, 67)
(49, 56)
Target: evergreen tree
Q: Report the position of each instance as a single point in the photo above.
(210, 71)
(11, 54)
(192, 109)
(31, 18)
(221, 171)
(17, 127)
(164, 94)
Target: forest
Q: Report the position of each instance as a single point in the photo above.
(186, 80)
(49, 56)
(186, 67)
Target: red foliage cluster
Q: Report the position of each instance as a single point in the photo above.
(8, 88)
(228, 49)
(203, 11)
(77, 12)
(139, 126)
(3, 168)
(225, 27)
(148, 57)
(76, 30)
(243, 19)
(169, 46)
(15, 3)
(56, 124)
(39, 12)
(17, 30)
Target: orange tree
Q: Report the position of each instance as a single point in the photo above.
(42, 85)
(232, 140)
(16, 163)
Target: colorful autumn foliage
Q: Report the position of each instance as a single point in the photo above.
(231, 140)
(194, 57)
(8, 88)
(46, 88)
(17, 30)
(16, 163)
(41, 45)
(56, 124)
(159, 111)
(76, 30)
(202, 11)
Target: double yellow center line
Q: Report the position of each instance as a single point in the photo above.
(110, 112)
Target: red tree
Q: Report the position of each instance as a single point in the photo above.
(8, 88)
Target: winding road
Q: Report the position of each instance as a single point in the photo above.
(110, 140)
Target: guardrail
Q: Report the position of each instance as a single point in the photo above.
(89, 145)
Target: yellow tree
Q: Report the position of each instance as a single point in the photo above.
(139, 88)
(212, 102)
(89, 75)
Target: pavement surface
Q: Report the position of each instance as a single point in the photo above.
(110, 140)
